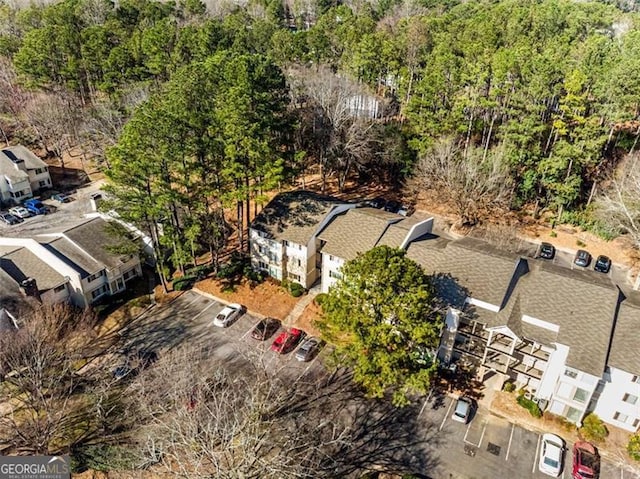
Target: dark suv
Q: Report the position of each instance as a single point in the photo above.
(583, 258)
(547, 251)
(603, 264)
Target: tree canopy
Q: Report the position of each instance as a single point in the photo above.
(383, 317)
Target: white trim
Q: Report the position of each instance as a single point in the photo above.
(482, 304)
(540, 323)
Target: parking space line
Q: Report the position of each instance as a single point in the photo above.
(484, 428)
(446, 415)
(426, 401)
(513, 427)
(535, 458)
(212, 303)
(249, 330)
(196, 298)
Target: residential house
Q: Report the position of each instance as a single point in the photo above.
(21, 174)
(82, 258)
(283, 237)
(358, 230)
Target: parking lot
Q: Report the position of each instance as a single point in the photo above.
(489, 447)
(189, 321)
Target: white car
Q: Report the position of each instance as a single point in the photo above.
(228, 315)
(20, 212)
(551, 455)
(462, 412)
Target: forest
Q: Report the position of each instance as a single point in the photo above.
(194, 110)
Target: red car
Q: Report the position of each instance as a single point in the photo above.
(586, 461)
(287, 340)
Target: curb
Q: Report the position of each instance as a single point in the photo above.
(220, 300)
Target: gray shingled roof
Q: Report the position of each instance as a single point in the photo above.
(31, 161)
(294, 215)
(8, 168)
(21, 264)
(581, 303)
(94, 238)
(476, 266)
(355, 231)
(396, 233)
(626, 336)
(72, 255)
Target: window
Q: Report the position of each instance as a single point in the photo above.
(39, 170)
(263, 265)
(57, 289)
(635, 379)
(334, 274)
(129, 274)
(636, 422)
(630, 398)
(618, 416)
(331, 258)
(580, 395)
(570, 373)
(295, 277)
(573, 414)
(95, 276)
(296, 262)
(99, 292)
(285, 242)
(43, 183)
(262, 249)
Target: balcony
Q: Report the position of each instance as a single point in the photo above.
(496, 361)
(527, 370)
(471, 346)
(502, 344)
(473, 328)
(527, 349)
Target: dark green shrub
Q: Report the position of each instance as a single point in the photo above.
(320, 298)
(183, 283)
(509, 387)
(530, 406)
(295, 289)
(200, 271)
(593, 429)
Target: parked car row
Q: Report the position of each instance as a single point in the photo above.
(391, 206)
(586, 460)
(31, 207)
(284, 343)
(582, 258)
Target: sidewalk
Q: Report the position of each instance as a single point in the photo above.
(614, 448)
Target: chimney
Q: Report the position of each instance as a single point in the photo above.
(95, 199)
(29, 287)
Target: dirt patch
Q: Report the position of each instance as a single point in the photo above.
(267, 298)
(306, 320)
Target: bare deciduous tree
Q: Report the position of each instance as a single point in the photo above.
(619, 205)
(206, 417)
(47, 405)
(339, 137)
(477, 185)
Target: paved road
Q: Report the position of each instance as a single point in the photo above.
(487, 448)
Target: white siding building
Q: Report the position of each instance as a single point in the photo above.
(283, 237)
(21, 174)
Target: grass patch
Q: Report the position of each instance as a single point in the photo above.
(529, 405)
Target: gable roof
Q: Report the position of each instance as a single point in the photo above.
(9, 169)
(579, 308)
(396, 233)
(294, 215)
(626, 336)
(355, 231)
(94, 238)
(476, 266)
(20, 263)
(31, 161)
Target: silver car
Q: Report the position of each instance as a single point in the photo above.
(462, 412)
(20, 212)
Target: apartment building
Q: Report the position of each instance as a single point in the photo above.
(21, 174)
(283, 238)
(80, 264)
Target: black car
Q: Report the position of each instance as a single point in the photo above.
(10, 219)
(547, 251)
(265, 329)
(392, 206)
(603, 264)
(583, 258)
(377, 203)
